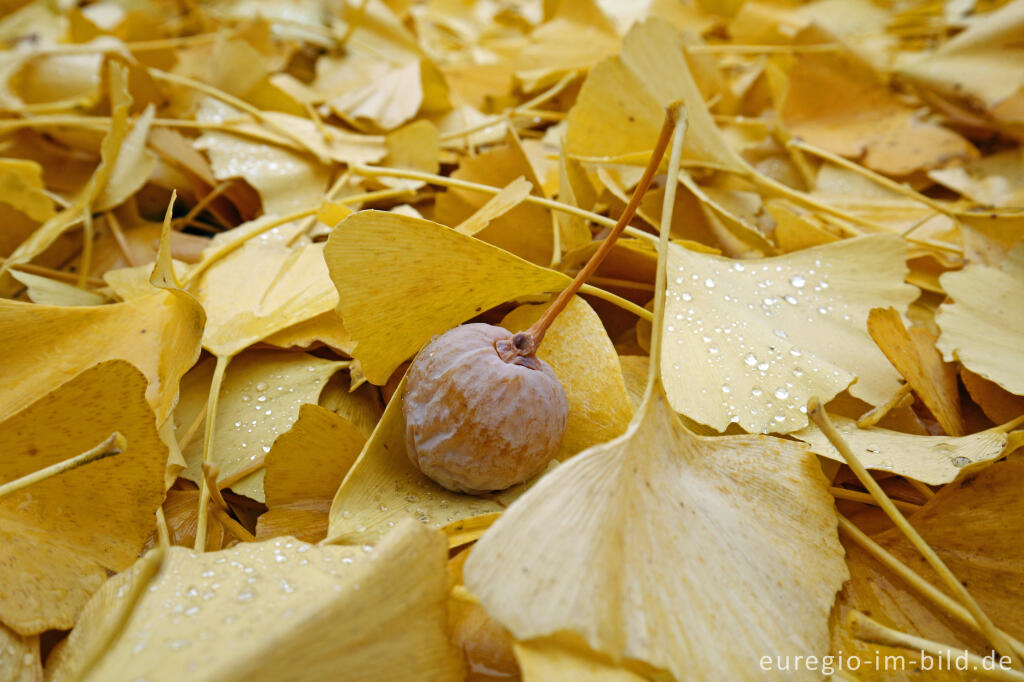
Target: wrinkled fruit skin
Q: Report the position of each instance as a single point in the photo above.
(476, 423)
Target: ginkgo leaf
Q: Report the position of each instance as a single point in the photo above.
(997, 403)
(326, 328)
(46, 291)
(513, 194)
(974, 525)
(552, 659)
(983, 327)
(744, 525)
(621, 106)
(62, 535)
(430, 278)
(837, 102)
(985, 63)
(19, 657)
(579, 351)
(305, 467)
(750, 342)
(158, 333)
(133, 166)
(996, 180)
(55, 226)
(286, 180)
(934, 460)
(393, 98)
(261, 288)
(22, 186)
(525, 230)
(260, 399)
(278, 609)
(574, 38)
(912, 351)
(384, 486)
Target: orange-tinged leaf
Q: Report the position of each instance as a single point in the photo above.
(914, 354)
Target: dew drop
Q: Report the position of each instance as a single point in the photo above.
(738, 267)
(687, 296)
(709, 283)
(781, 333)
(797, 281)
(763, 366)
(756, 391)
(781, 393)
(960, 462)
(789, 299)
(261, 386)
(750, 360)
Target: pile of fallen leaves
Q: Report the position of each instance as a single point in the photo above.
(226, 228)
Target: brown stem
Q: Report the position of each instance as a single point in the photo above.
(527, 342)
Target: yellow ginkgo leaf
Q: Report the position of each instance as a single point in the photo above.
(750, 342)
(934, 460)
(527, 229)
(133, 166)
(260, 399)
(573, 39)
(744, 526)
(55, 226)
(19, 657)
(305, 467)
(261, 288)
(984, 64)
(912, 352)
(430, 278)
(579, 351)
(62, 535)
(983, 327)
(996, 180)
(278, 609)
(326, 328)
(621, 106)
(551, 659)
(286, 180)
(21, 182)
(384, 486)
(46, 291)
(158, 333)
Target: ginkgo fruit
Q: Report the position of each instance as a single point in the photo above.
(471, 394)
(482, 411)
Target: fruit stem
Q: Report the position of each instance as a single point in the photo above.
(527, 342)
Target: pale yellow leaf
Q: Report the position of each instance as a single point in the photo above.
(260, 399)
(286, 181)
(983, 327)
(279, 609)
(751, 341)
(744, 526)
(934, 460)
